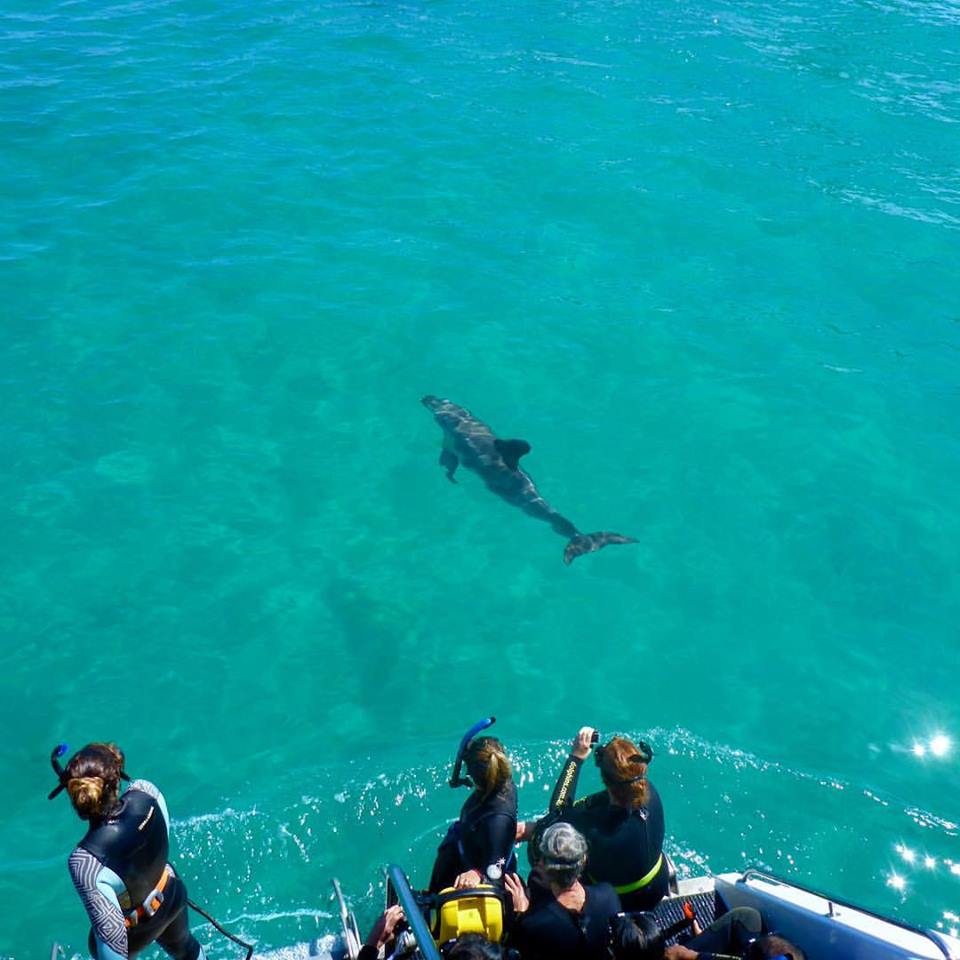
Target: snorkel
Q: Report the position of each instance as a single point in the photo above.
(455, 779)
(55, 754)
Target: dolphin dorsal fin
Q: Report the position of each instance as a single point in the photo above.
(511, 451)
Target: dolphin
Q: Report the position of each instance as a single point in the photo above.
(469, 441)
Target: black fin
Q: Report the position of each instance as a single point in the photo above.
(588, 542)
(511, 451)
(449, 461)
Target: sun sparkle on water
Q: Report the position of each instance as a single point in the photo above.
(908, 855)
(939, 745)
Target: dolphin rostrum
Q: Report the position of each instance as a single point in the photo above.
(469, 441)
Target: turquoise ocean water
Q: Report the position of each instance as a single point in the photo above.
(702, 255)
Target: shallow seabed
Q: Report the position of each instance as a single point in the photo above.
(702, 255)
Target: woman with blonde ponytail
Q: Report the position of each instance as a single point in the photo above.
(478, 847)
(120, 869)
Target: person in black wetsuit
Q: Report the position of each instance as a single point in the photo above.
(623, 824)
(478, 847)
(738, 933)
(567, 920)
(120, 869)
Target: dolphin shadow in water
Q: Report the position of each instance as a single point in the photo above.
(470, 442)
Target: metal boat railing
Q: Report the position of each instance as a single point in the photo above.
(411, 911)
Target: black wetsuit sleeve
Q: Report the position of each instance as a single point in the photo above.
(566, 789)
(496, 835)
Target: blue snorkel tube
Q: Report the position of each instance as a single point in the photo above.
(455, 779)
(55, 754)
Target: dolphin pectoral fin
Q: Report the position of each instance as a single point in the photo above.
(511, 451)
(449, 461)
(588, 542)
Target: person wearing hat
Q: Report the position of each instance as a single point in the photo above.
(131, 894)
(561, 918)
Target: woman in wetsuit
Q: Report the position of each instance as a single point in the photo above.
(120, 869)
(623, 824)
(570, 921)
(478, 847)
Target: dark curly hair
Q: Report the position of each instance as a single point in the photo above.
(93, 779)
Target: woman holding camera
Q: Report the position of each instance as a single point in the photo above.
(623, 823)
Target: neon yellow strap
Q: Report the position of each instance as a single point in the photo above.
(644, 880)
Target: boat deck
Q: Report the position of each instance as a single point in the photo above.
(824, 927)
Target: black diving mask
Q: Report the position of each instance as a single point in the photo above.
(455, 779)
(58, 751)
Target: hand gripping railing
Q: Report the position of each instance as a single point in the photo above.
(411, 911)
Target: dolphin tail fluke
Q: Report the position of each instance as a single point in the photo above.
(588, 542)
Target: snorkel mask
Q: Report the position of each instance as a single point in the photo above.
(455, 779)
(58, 751)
